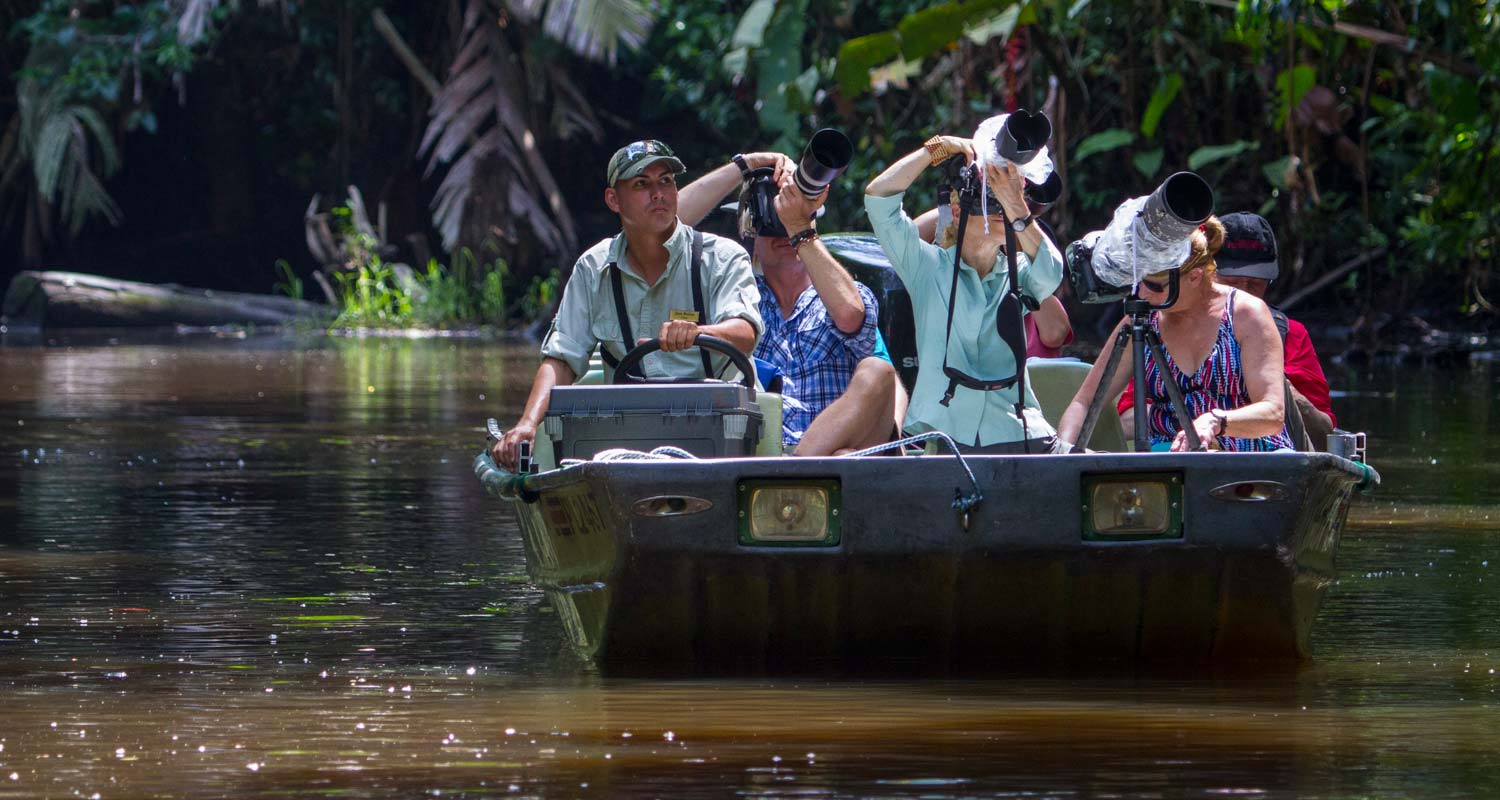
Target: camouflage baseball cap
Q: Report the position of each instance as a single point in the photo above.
(630, 160)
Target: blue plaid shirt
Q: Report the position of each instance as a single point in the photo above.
(816, 359)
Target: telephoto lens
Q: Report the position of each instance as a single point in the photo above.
(827, 155)
(1041, 196)
(1022, 136)
(1182, 202)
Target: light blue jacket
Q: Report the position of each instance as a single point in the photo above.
(972, 417)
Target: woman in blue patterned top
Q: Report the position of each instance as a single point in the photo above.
(1227, 338)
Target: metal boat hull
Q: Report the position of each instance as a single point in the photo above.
(906, 581)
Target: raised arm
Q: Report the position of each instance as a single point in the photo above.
(697, 199)
(831, 281)
(899, 176)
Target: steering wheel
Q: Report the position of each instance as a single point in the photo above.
(740, 361)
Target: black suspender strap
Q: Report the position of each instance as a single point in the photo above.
(697, 281)
(613, 269)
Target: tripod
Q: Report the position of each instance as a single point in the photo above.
(1139, 336)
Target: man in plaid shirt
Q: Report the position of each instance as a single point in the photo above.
(838, 394)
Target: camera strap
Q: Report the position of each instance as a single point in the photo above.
(956, 377)
(696, 278)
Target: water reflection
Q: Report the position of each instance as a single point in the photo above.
(264, 568)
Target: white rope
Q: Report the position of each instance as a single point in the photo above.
(664, 453)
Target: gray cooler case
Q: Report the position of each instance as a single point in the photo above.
(709, 420)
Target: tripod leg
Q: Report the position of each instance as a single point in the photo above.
(1096, 405)
(1174, 394)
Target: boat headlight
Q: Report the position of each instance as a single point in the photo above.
(789, 512)
(1132, 506)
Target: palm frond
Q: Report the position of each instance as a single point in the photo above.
(480, 114)
(572, 112)
(593, 29)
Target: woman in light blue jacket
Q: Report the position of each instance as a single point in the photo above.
(991, 420)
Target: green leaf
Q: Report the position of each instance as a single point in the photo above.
(1001, 25)
(858, 56)
(1148, 162)
(736, 61)
(930, 30)
(1275, 172)
(807, 83)
(1206, 155)
(1291, 85)
(1455, 96)
(751, 31)
(1103, 142)
(777, 66)
(1166, 92)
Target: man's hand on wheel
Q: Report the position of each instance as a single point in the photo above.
(677, 334)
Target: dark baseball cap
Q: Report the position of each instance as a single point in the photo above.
(632, 159)
(1249, 249)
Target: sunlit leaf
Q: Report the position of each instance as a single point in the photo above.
(1204, 156)
(751, 30)
(1149, 162)
(858, 56)
(1291, 85)
(1001, 25)
(927, 31)
(1103, 142)
(1275, 172)
(1166, 92)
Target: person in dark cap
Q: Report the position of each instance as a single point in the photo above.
(657, 278)
(1248, 261)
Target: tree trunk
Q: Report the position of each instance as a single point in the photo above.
(76, 300)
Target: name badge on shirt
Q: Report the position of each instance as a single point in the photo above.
(686, 316)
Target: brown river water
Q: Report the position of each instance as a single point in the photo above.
(263, 567)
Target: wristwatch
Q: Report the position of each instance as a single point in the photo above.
(1223, 417)
(739, 161)
(1021, 224)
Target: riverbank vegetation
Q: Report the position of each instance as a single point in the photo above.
(176, 139)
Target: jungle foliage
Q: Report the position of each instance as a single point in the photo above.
(1364, 130)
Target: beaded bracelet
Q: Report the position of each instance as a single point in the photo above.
(802, 238)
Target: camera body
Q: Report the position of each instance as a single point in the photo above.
(1087, 286)
(758, 205)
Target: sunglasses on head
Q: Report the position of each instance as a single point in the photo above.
(647, 147)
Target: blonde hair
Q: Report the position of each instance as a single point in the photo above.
(1206, 242)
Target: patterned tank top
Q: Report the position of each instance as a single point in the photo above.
(1219, 383)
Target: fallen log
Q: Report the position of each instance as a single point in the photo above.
(76, 300)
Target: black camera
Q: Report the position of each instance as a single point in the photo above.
(1170, 214)
(1018, 141)
(827, 155)
(965, 181)
(758, 205)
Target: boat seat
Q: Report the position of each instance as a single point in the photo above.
(1055, 381)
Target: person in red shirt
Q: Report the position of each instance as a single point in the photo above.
(1248, 262)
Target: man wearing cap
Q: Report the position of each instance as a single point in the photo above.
(665, 279)
(1248, 262)
(838, 393)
